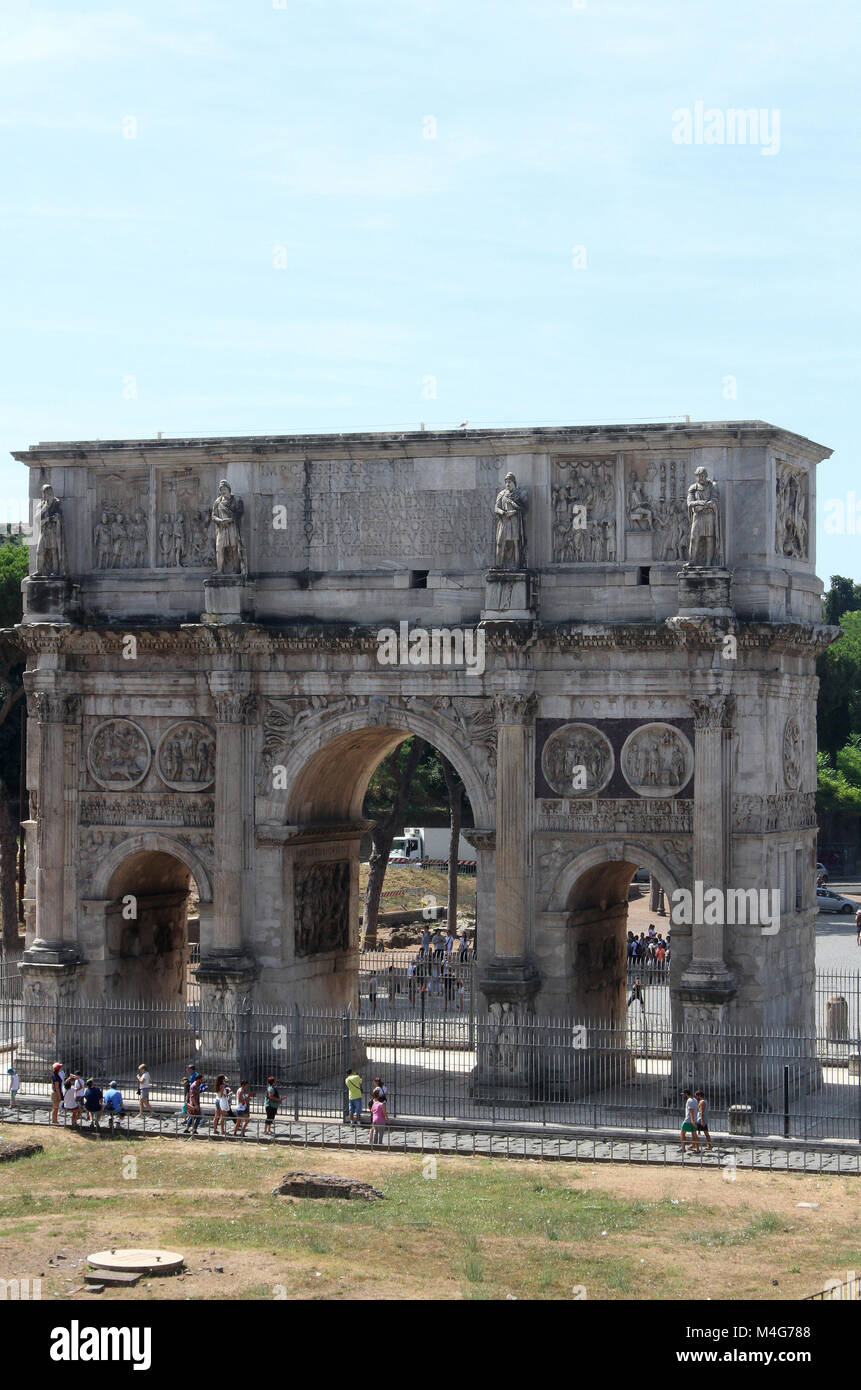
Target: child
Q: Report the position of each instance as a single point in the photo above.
(144, 1083)
(14, 1084)
(379, 1117)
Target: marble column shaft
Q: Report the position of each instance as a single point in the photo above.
(712, 735)
(514, 714)
(234, 705)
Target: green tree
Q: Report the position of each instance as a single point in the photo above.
(13, 568)
(840, 779)
(844, 596)
(838, 712)
(386, 803)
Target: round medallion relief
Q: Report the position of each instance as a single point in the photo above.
(792, 753)
(577, 760)
(185, 757)
(657, 760)
(119, 754)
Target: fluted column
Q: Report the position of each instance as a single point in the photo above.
(510, 977)
(234, 705)
(57, 714)
(707, 976)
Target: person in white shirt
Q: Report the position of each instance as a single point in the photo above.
(144, 1083)
(71, 1103)
(14, 1084)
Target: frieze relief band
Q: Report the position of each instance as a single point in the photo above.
(144, 809)
(617, 814)
(762, 815)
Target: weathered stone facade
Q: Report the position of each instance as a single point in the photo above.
(216, 709)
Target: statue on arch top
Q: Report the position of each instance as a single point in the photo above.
(50, 549)
(509, 510)
(704, 549)
(226, 512)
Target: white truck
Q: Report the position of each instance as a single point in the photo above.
(420, 842)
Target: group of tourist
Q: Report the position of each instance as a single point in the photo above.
(194, 1084)
(83, 1100)
(379, 1099)
(649, 951)
(423, 977)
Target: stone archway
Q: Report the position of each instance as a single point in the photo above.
(144, 885)
(315, 820)
(589, 902)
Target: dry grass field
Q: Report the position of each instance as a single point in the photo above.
(479, 1229)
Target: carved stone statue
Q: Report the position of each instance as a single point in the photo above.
(226, 513)
(50, 550)
(510, 529)
(704, 516)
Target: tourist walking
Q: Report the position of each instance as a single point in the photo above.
(372, 993)
(858, 927)
(222, 1104)
(93, 1099)
(144, 1083)
(113, 1107)
(379, 1117)
(14, 1084)
(411, 982)
(689, 1124)
(243, 1108)
(703, 1117)
(58, 1076)
(353, 1083)
(273, 1100)
(195, 1086)
(636, 995)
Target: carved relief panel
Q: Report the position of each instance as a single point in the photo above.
(584, 510)
(321, 906)
(577, 760)
(118, 754)
(121, 521)
(656, 515)
(185, 757)
(792, 514)
(657, 760)
(184, 534)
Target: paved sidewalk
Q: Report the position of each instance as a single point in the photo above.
(728, 1154)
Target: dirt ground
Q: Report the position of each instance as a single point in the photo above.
(448, 1229)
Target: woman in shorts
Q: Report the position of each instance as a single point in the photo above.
(57, 1078)
(222, 1093)
(243, 1108)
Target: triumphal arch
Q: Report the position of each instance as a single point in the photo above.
(609, 632)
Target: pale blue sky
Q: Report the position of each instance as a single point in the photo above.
(302, 128)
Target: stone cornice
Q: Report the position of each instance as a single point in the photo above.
(413, 443)
(249, 639)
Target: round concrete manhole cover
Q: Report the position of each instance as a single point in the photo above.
(137, 1261)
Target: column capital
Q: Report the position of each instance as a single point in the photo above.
(713, 711)
(50, 707)
(514, 707)
(234, 702)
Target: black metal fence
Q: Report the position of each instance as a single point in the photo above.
(469, 1067)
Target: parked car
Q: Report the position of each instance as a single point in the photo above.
(827, 901)
(822, 872)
